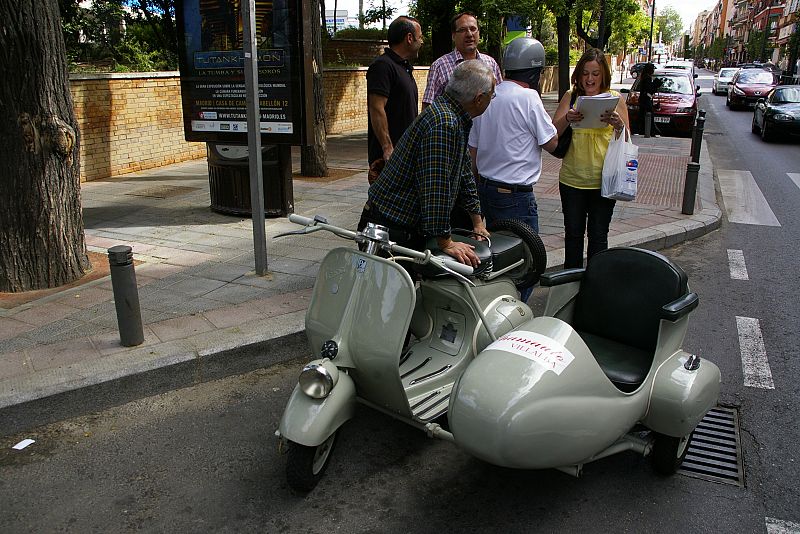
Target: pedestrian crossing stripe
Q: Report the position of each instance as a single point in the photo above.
(743, 199)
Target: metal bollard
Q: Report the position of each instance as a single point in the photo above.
(126, 295)
(648, 121)
(690, 188)
(697, 135)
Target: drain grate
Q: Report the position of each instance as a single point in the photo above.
(714, 452)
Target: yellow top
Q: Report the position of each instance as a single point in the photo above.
(582, 167)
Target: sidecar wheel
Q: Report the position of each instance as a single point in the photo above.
(306, 465)
(535, 264)
(669, 452)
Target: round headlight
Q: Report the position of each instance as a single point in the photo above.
(316, 381)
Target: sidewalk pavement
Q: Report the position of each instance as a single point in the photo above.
(205, 312)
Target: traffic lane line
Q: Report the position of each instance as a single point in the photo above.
(755, 365)
(736, 265)
(778, 526)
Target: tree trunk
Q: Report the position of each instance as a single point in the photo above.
(562, 30)
(314, 158)
(41, 225)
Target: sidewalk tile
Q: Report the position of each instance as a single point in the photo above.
(14, 364)
(180, 327)
(61, 354)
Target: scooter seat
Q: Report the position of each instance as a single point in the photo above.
(625, 366)
(505, 251)
(481, 250)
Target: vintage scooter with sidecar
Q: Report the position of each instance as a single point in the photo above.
(600, 373)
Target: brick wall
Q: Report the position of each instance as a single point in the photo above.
(133, 122)
(129, 122)
(346, 97)
(351, 51)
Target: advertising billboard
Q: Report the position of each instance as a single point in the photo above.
(212, 70)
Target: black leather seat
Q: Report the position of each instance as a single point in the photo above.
(505, 250)
(624, 294)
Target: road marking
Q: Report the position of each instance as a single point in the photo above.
(744, 201)
(778, 526)
(736, 265)
(795, 176)
(755, 364)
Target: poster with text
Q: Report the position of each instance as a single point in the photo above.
(212, 70)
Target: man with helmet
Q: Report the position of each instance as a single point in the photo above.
(506, 141)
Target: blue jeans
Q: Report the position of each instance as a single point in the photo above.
(585, 212)
(497, 205)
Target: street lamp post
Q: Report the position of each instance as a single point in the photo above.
(652, 20)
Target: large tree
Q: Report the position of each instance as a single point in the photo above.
(41, 226)
(670, 24)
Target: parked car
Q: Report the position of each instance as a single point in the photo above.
(779, 113)
(681, 65)
(722, 79)
(748, 85)
(674, 103)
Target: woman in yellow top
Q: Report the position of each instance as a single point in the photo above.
(585, 211)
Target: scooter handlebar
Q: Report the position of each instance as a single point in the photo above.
(447, 263)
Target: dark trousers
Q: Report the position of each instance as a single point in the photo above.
(585, 213)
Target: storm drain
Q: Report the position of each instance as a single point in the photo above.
(714, 452)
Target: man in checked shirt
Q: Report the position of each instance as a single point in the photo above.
(430, 170)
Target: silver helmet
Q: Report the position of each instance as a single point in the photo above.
(523, 53)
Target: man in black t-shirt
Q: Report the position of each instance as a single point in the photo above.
(392, 98)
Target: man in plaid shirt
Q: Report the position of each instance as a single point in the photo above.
(466, 34)
(430, 169)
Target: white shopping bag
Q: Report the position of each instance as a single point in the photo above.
(621, 168)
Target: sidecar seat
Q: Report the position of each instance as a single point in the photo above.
(624, 293)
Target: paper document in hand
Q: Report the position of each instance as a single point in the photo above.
(592, 107)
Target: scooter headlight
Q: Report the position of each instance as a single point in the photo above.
(317, 379)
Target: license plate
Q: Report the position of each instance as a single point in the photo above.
(664, 120)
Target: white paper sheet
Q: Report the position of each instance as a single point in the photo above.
(592, 107)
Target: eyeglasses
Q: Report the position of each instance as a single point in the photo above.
(466, 29)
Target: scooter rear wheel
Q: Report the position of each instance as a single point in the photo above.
(535, 264)
(305, 465)
(669, 452)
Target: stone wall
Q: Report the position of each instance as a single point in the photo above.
(129, 122)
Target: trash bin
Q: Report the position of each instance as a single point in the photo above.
(229, 179)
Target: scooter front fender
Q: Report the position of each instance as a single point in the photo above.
(310, 421)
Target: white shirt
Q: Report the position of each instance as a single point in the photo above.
(509, 134)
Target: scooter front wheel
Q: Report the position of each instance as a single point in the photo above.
(669, 452)
(305, 465)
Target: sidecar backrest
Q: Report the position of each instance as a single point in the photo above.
(619, 305)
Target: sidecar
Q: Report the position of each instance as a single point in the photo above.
(584, 381)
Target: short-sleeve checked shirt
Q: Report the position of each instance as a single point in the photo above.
(441, 70)
(429, 172)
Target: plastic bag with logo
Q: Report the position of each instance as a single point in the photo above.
(621, 168)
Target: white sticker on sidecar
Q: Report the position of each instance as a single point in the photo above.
(540, 349)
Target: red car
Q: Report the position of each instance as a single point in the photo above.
(674, 103)
(750, 85)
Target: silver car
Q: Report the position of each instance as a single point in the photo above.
(722, 79)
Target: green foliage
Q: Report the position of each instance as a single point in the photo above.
(670, 24)
(103, 37)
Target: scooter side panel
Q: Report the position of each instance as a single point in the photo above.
(365, 304)
(681, 398)
(541, 402)
(310, 421)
